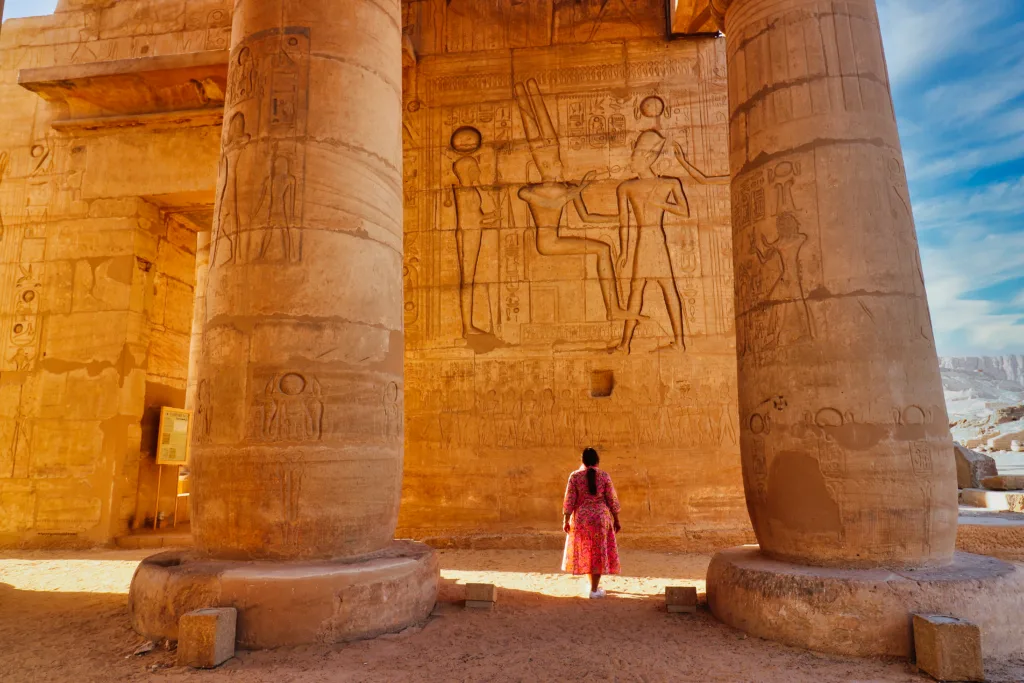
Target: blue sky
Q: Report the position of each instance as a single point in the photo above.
(957, 69)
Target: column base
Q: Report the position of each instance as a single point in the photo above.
(864, 612)
(289, 603)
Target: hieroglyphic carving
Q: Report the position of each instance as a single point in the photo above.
(522, 178)
(203, 413)
(262, 205)
(649, 198)
(24, 334)
(290, 408)
(549, 198)
(392, 404)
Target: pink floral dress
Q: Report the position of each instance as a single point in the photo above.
(590, 545)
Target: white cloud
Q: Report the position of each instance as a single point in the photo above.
(957, 68)
(965, 324)
(920, 33)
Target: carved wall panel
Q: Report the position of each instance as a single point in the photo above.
(568, 270)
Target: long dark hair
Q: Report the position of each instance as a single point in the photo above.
(591, 460)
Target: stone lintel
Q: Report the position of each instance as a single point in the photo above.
(123, 92)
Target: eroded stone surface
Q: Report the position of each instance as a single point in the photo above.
(206, 637)
(299, 451)
(864, 612)
(844, 432)
(285, 603)
(96, 269)
(972, 467)
(947, 648)
(551, 191)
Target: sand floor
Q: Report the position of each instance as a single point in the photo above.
(63, 619)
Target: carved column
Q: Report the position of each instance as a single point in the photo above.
(845, 438)
(298, 445)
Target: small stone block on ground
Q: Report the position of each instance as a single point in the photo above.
(681, 599)
(481, 595)
(206, 637)
(948, 649)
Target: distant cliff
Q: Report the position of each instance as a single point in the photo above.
(1009, 368)
(978, 387)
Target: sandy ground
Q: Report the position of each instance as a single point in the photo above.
(63, 619)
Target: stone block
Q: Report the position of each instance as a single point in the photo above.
(681, 599)
(206, 637)
(1003, 441)
(972, 467)
(1011, 482)
(996, 501)
(481, 595)
(947, 648)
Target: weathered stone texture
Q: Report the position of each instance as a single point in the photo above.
(96, 287)
(972, 467)
(947, 648)
(206, 637)
(844, 431)
(535, 241)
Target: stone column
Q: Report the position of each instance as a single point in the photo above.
(845, 438)
(297, 444)
(299, 452)
(847, 458)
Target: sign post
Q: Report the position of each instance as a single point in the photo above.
(172, 449)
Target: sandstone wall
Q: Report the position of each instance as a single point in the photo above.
(533, 132)
(96, 273)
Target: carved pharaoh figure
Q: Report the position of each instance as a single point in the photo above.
(470, 221)
(649, 197)
(278, 239)
(548, 199)
(790, 319)
(230, 229)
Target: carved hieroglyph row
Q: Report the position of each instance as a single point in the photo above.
(454, 26)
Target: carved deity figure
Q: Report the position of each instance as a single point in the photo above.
(243, 77)
(470, 221)
(548, 199)
(279, 240)
(230, 229)
(790, 319)
(290, 409)
(649, 197)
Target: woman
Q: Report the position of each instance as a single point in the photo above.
(593, 507)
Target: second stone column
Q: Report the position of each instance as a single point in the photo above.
(847, 457)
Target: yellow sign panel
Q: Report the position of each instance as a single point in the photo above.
(175, 436)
